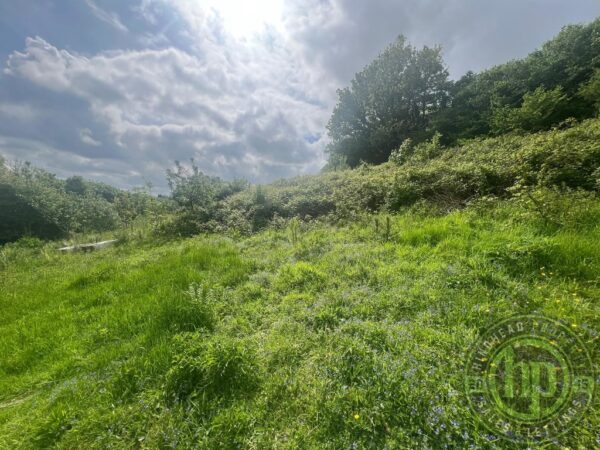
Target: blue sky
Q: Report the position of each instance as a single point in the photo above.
(118, 90)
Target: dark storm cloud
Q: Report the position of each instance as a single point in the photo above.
(118, 91)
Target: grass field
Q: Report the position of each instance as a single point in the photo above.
(328, 337)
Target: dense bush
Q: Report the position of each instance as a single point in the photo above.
(196, 196)
(447, 177)
(34, 202)
(552, 84)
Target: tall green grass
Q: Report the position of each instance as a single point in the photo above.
(310, 336)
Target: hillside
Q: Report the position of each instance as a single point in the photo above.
(429, 174)
(349, 330)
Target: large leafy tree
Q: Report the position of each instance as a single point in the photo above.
(391, 100)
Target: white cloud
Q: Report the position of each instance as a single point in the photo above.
(106, 16)
(239, 110)
(86, 137)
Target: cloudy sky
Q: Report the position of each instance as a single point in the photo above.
(118, 90)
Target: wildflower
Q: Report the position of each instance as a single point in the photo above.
(356, 416)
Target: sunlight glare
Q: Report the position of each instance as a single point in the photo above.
(243, 18)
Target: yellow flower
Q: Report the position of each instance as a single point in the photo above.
(356, 416)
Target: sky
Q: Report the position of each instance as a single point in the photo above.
(117, 91)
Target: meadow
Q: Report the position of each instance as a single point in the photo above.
(302, 336)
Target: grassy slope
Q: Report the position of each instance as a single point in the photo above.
(344, 339)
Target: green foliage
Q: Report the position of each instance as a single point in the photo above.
(556, 207)
(429, 150)
(196, 196)
(34, 202)
(445, 178)
(590, 91)
(336, 163)
(75, 185)
(385, 228)
(540, 109)
(391, 100)
(338, 195)
(193, 191)
(402, 153)
(404, 93)
(294, 230)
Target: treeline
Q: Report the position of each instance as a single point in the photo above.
(405, 94)
(34, 202)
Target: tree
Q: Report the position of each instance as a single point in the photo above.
(391, 100)
(75, 185)
(193, 191)
(590, 91)
(540, 110)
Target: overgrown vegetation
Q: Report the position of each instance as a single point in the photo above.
(311, 336)
(445, 177)
(34, 202)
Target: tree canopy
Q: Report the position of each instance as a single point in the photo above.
(391, 100)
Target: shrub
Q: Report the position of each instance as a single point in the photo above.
(558, 207)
